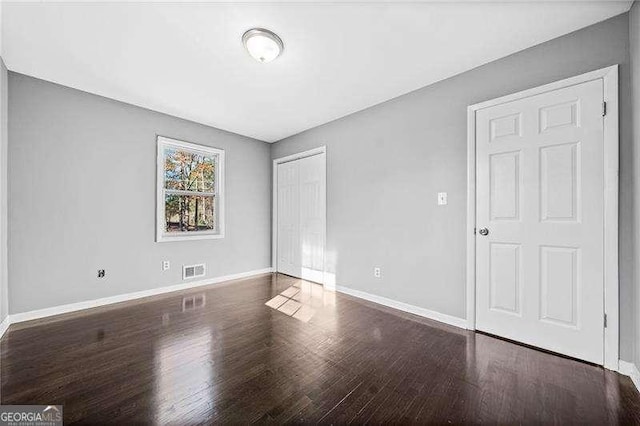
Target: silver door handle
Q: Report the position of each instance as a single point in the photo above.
(483, 231)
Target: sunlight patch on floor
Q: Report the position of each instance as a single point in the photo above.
(301, 300)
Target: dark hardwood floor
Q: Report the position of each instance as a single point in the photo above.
(220, 355)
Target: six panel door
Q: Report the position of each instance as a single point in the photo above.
(540, 180)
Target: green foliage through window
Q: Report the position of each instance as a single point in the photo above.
(189, 213)
(188, 171)
(190, 190)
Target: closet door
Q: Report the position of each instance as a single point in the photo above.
(289, 261)
(312, 217)
(301, 218)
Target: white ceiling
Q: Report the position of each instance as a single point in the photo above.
(187, 60)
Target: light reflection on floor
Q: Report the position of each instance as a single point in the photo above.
(302, 299)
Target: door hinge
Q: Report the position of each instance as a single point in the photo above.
(605, 320)
(604, 109)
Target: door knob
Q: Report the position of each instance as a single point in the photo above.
(483, 231)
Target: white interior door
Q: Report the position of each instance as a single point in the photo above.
(301, 218)
(289, 219)
(312, 216)
(540, 198)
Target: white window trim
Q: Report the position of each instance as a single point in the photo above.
(161, 235)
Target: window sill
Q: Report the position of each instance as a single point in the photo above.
(167, 239)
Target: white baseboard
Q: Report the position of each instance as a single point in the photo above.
(4, 325)
(437, 316)
(630, 369)
(73, 307)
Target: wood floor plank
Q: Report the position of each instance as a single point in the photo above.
(236, 359)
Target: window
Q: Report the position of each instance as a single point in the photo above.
(190, 199)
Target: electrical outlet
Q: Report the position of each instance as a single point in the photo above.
(377, 272)
(165, 265)
(101, 273)
(442, 198)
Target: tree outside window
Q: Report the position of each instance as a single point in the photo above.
(189, 191)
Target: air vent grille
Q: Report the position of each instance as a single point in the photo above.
(193, 271)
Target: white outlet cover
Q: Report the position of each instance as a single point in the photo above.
(442, 198)
(166, 265)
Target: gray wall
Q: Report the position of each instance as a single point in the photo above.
(634, 48)
(386, 164)
(82, 188)
(4, 290)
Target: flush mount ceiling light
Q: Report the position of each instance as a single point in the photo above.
(263, 45)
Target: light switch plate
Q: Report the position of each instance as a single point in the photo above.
(442, 198)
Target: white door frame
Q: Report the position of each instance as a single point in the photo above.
(609, 76)
(322, 150)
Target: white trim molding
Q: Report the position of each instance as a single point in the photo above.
(88, 304)
(630, 369)
(609, 76)
(312, 275)
(405, 307)
(4, 325)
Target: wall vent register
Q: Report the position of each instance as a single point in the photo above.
(193, 271)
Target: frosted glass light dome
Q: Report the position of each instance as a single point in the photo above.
(263, 45)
